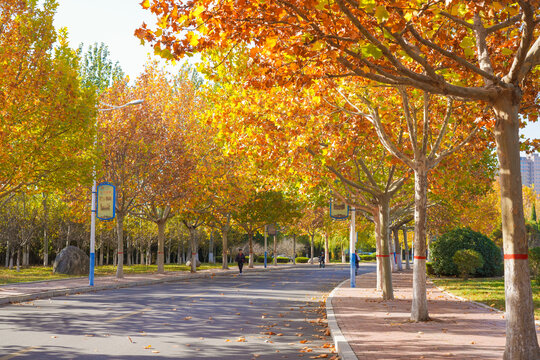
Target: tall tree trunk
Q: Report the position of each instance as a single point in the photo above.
(18, 259)
(101, 248)
(194, 250)
(128, 245)
(343, 259)
(326, 252)
(407, 253)
(7, 253)
(378, 250)
(384, 218)
(294, 249)
(521, 339)
(312, 249)
(225, 237)
(250, 237)
(275, 250)
(120, 245)
(161, 246)
(211, 249)
(45, 231)
(419, 309)
(397, 246)
(392, 244)
(179, 253)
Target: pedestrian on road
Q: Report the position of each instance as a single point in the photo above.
(240, 259)
(321, 260)
(356, 262)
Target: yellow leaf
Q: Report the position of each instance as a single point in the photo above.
(145, 4)
(271, 42)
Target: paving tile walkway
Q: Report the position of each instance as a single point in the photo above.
(377, 329)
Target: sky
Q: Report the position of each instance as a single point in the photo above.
(113, 23)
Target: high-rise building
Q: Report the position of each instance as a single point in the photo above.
(530, 171)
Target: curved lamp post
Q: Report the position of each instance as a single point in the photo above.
(94, 194)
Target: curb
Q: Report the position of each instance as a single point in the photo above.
(342, 346)
(95, 288)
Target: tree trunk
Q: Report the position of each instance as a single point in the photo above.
(521, 339)
(194, 250)
(378, 251)
(406, 245)
(343, 259)
(45, 231)
(419, 309)
(211, 249)
(120, 245)
(326, 252)
(250, 237)
(224, 236)
(311, 260)
(179, 253)
(397, 246)
(101, 248)
(7, 253)
(275, 250)
(392, 244)
(18, 259)
(161, 246)
(383, 214)
(294, 249)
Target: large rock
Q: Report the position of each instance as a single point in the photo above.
(71, 261)
(198, 263)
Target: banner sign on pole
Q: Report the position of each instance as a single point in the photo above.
(106, 201)
(271, 229)
(339, 210)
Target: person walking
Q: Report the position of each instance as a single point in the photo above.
(356, 262)
(240, 259)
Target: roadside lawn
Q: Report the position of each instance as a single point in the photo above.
(40, 273)
(489, 291)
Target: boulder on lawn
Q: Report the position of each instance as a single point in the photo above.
(188, 263)
(71, 261)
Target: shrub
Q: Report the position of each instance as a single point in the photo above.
(534, 262)
(429, 268)
(443, 250)
(269, 259)
(282, 259)
(302, 260)
(467, 261)
(219, 259)
(367, 257)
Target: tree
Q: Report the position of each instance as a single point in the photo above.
(97, 69)
(486, 52)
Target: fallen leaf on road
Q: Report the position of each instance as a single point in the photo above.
(280, 334)
(322, 356)
(473, 342)
(131, 341)
(303, 341)
(299, 334)
(210, 318)
(241, 339)
(89, 335)
(227, 340)
(188, 318)
(268, 333)
(155, 351)
(238, 314)
(54, 337)
(148, 346)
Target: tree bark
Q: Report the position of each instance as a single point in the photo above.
(392, 250)
(224, 259)
(120, 245)
(294, 249)
(326, 254)
(384, 218)
(7, 253)
(161, 246)
(343, 259)
(275, 250)
(407, 253)
(194, 250)
(312, 248)
(18, 259)
(521, 339)
(397, 246)
(211, 249)
(45, 231)
(250, 237)
(419, 309)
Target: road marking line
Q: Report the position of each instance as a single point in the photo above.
(20, 352)
(126, 315)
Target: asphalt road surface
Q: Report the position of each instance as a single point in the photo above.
(270, 315)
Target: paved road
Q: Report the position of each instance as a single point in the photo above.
(253, 316)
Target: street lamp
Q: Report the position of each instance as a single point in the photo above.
(94, 194)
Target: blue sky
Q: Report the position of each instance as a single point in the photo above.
(113, 23)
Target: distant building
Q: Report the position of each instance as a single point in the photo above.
(530, 171)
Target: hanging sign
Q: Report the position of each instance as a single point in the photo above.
(271, 229)
(339, 210)
(106, 201)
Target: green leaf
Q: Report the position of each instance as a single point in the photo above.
(371, 50)
(506, 51)
(381, 13)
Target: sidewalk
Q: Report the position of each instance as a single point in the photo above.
(377, 329)
(20, 292)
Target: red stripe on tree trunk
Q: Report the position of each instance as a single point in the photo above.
(382, 255)
(420, 257)
(516, 256)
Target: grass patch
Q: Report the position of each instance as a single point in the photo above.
(489, 291)
(41, 273)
